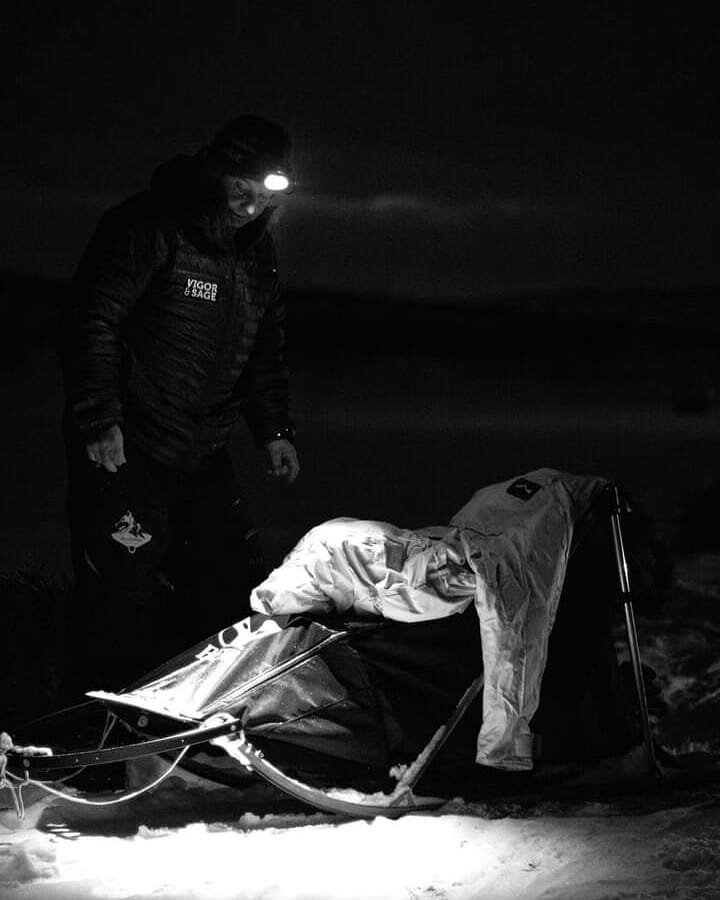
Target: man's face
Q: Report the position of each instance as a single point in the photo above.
(246, 198)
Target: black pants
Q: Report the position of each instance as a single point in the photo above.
(162, 559)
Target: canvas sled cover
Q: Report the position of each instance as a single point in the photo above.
(505, 553)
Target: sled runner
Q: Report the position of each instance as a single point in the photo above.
(384, 660)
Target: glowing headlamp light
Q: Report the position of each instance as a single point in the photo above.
(277, 181)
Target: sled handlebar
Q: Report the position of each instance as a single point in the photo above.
(620, 506)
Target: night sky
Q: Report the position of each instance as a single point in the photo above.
(444, 150)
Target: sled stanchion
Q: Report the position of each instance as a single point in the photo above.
(418, 767)
(618, 506)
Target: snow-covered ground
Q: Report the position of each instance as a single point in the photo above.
(590, 854)
(187, 841)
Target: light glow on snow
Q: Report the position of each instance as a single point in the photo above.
(456, 856)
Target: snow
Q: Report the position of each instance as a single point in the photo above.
(457, 853)
(185, 842)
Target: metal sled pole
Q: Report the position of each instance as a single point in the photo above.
(416, 769)
(619, 505)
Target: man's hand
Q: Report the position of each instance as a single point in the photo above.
(107, 451)
(283, 460)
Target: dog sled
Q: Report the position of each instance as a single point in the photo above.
(385, 670)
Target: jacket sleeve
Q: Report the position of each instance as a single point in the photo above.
(266, 379)
(112, 276)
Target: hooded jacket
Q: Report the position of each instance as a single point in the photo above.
(174, 327)
(507, 551)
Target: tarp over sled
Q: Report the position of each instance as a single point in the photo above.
(506, 552)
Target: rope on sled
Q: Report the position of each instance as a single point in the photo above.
(15, 785)
(5, 782)
(7, 778)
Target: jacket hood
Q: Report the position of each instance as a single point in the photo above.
(189, 190)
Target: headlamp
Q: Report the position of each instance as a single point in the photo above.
(278, 181)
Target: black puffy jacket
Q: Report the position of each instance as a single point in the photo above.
(175, 324)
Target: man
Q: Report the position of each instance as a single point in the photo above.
(174, 330)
